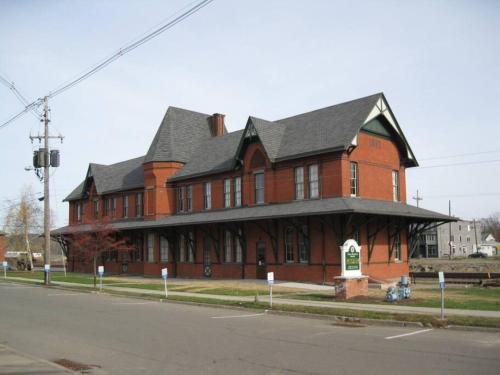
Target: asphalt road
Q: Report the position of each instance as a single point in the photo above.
(118, 335)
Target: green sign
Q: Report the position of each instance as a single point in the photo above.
(352, 259)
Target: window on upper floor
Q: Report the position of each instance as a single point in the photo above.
(237, 191)
(299, 182)
(139, 205)
(78, 210)
(207, 195)
(189, 198)
(259, 187)
(395, 186)
(354, 179)
(313, 181)
(125, 206)
(96, 208)
(227, 192)
(113, 207)
(180, 199)
(107, 206)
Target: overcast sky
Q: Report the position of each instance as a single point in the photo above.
(438, 63)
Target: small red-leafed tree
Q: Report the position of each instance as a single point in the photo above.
(88, 246)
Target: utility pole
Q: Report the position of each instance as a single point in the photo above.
(418, 199)
(46, 158)
(475, 236)
(449, 214)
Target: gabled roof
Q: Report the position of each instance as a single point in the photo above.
(324, 130)
(214, 155)
(125, 175)
(180, 133)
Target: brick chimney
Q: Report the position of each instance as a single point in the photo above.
(217, 124)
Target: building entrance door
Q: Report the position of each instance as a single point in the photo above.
(261, 260)
(207, 264)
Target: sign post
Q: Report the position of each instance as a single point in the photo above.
(100, 271)
(441, 286)
(270, 282)
(4, 265)
(164, 274)
(46, 268)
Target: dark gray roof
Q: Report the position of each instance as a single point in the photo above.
(326, 129)
(180, 133)
(293, 209)
(214, 155)
(125, 175)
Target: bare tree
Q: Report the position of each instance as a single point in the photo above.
(491, 225)
(24, 217)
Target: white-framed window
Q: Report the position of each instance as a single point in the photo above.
(78, 211)
(207, 195)
(313, 181)
(138, 205)
(227, 193)
(163, 249)
(182, 248)
(125, 206)
(289, 240)
(180, 199)
(395, 186)
(354, 179)
(228, 246)
(303, 245)
(237, 191)
(189, 198)
(238, 255)
(107, 206)
(259, 188)
(151, 248)
(299, 182)
(113, 207)
(397, 247)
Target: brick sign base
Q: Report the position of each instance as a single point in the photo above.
(350, 287)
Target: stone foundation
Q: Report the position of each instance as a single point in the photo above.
(350, 287)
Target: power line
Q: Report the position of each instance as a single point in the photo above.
(459, 155)
(122, 51)
(462, 163)
(10, 85)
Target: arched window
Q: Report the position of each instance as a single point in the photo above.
(258, 160)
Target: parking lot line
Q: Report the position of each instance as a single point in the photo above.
(408, 334)
(133, 303)
(237, 316)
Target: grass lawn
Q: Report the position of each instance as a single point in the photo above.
(473, 298)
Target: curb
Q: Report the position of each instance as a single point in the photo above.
(337, 319)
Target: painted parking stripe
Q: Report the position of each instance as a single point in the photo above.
(133, 303)
(409, 334)
(66, 294)
(237, 316)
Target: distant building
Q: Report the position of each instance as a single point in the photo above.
(435, 243)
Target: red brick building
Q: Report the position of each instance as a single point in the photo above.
(276, 196)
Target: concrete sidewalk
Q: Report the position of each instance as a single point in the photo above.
(14, 362)
(284, 301)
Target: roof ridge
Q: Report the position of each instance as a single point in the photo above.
(330, 106)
